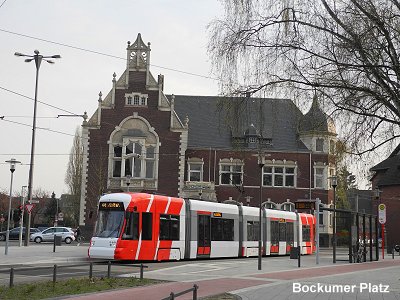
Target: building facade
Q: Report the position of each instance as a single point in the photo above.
(205, 147)
(386, 184)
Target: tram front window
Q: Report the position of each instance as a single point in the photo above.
(109, 223)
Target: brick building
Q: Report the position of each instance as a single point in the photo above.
(386, 180)
(205, 147)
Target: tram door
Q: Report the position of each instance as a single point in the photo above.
(204, 236)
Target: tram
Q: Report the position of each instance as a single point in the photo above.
(140, 226)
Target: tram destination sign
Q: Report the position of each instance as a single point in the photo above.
(111, 206)
(304, 204)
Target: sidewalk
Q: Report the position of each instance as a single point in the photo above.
(363, 280)
(42, 254)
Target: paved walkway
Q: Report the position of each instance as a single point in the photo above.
(280, 278)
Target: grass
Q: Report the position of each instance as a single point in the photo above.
(73, 286)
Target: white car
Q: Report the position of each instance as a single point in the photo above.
(47, 235)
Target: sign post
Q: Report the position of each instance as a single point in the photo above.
(382, 220)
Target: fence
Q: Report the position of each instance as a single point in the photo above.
(57, 267)
(172, 296)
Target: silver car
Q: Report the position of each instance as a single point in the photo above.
(47, 235)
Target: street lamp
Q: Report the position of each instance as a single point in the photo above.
(128, 181)
(261, 166)
(12, 163)
(38, 60)
(334, 185)
(53, 196)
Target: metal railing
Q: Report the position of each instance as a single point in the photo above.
(56, 267)
(173, 295)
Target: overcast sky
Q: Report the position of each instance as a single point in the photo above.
(178, 35)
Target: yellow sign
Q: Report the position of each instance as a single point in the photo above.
(217, 214)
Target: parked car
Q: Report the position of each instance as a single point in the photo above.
(47, 235)
(14, 233)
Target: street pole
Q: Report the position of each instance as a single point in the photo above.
(317, 202)
(38, 60)
(21, 221)
(261, 165)
(12, 163)
(334, 185)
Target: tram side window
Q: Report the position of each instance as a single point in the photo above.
(274, 232)
(222, 229)
(252, 230)
(147, 226)
(289, 232)
(306, 233)
(282, 232)
(131, 230)
(169, 227)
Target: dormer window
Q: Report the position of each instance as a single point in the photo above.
(319, 145)
(136, 99)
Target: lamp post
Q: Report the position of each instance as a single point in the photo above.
(53, 196)
(128, 181)
(38, 60)
(334, 185)
(261, 166)
(21, 221)
(12, 163)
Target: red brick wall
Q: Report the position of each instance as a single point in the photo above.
(252, 176)
(168, 167)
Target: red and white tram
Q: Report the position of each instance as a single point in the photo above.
(139, 226)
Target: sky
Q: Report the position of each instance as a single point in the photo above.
(176, 29)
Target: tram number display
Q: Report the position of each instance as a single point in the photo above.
(111, 206)
(304, 205)
(217, 215)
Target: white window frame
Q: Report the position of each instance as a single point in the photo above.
(136, 99)
(319, 142)
(191, 170)
(321, 177)
(232, 164)
(284, 174)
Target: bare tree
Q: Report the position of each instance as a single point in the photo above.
(346, 51)
(73, 177)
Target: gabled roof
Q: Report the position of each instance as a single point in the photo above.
(316, 120)
(389, 169)
(213, 125)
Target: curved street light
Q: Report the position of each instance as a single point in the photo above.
(37, 57)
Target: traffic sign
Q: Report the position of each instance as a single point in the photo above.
(382, 213)
(29, 207)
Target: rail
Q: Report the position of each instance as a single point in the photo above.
(173, 295)
(56, 267)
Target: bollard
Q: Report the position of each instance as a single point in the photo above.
(195, 288)
(393, 252)
(91, 270)
(172, 296)
(109, 269)
(54, 274)
(141, 271)
(11, 277)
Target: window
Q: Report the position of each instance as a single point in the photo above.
(321, 217)
(195, 171)
(231, 174)
(279, 176)
(319, 177)
(332, 146)
(306, 233)
(147, 226)
(169, 227)
(290, 233)
(319, 145)
(136, 99)
(222, 229)
(282, 232)
(134, 159)
(274, 232)
(253, 229)
(131, 230)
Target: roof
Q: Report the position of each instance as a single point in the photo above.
(213, 120)
(389, 169)
(316, 120)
